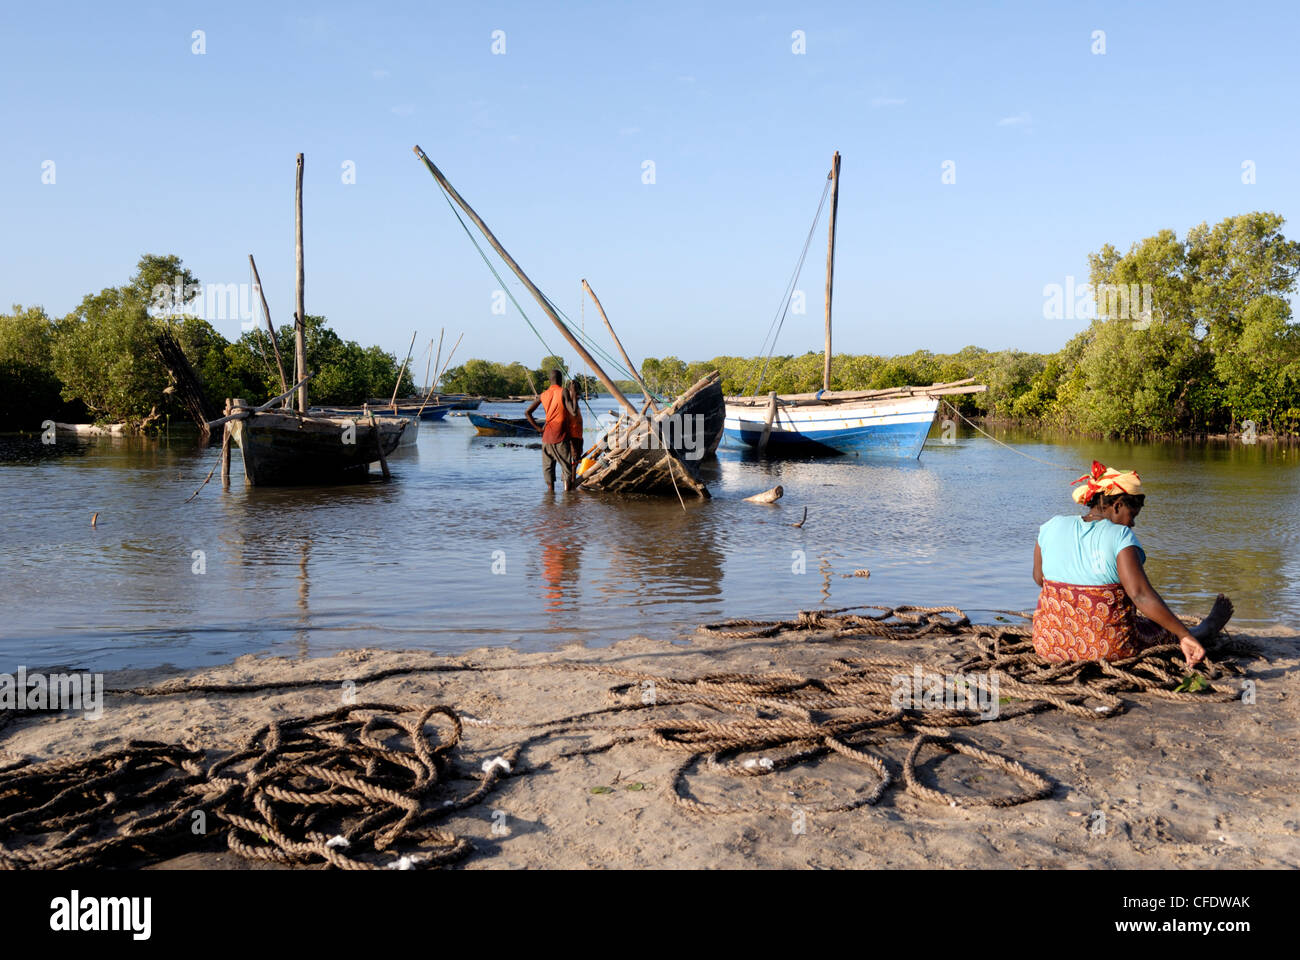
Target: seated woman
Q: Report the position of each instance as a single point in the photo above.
(1094, 585)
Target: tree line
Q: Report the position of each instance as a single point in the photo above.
(1190, 336)
(101, 361)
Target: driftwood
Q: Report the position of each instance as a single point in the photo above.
(767, 496)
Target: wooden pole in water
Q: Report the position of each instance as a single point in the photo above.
(830, 265)
(619, 343)
(767, 425)
(397, 386)
(225, 449)
(523, 278)
(379, 445)
(300, 319)
(270, 328)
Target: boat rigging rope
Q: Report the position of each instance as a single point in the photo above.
(361, 786)
(505, 287)
(990, 436)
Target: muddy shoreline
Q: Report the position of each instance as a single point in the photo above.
(1160, 785)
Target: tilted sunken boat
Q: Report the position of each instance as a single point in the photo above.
(660, 453)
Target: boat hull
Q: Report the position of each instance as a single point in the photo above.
(502, 426)
(281, 448)
(660, 455)
(886, 428)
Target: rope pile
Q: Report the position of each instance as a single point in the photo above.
(358, 786)
(337, 788)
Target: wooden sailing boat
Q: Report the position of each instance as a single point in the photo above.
(892, 422)
(658, 454)
(288, 446)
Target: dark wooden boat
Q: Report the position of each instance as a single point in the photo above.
(287, 448)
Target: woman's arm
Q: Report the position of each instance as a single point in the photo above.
(1038, 565)
(1133, 578)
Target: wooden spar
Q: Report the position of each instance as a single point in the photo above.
(426, 373)
(270, 328)
(523, 278)
(619, 343)
(398, 385)
(225, 451)
(300, 318)
(767, 424)
(438, 379)
(428, 363)
(830, 265)
(240, 411)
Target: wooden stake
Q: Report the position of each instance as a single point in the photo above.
(270, 328)
(619, 343)
(830, 265)
(225, 450)
(379, 445)
(300, 317)
(523, 278)
(767, 424)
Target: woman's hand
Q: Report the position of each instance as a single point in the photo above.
(1192, 649)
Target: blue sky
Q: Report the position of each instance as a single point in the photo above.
(1057, 150)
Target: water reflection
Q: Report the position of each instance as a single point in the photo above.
(410, 563)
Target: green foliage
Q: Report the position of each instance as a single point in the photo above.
(105, 356)
(30, 393)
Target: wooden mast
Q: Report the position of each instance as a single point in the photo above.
(523, 278)
(300, 319)
(619, 343)
(830, 265)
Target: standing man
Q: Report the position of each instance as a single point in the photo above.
(555, 435)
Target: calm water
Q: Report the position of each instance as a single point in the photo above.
(410, 564)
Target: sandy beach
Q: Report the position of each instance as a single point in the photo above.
(1160, 784)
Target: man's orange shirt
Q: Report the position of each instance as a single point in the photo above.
(556, 429)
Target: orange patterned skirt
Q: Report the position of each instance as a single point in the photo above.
(1076, 622)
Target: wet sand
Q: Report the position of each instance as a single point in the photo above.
(1161, 785)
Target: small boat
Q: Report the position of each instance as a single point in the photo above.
(284, 448)
(883, 422)
(892, 422)
(489, 426)
(459, 401)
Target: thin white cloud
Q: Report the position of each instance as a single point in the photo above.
(380, 74)
(403, 109)
(1019, 120)
(888, 101)
(629, 131)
